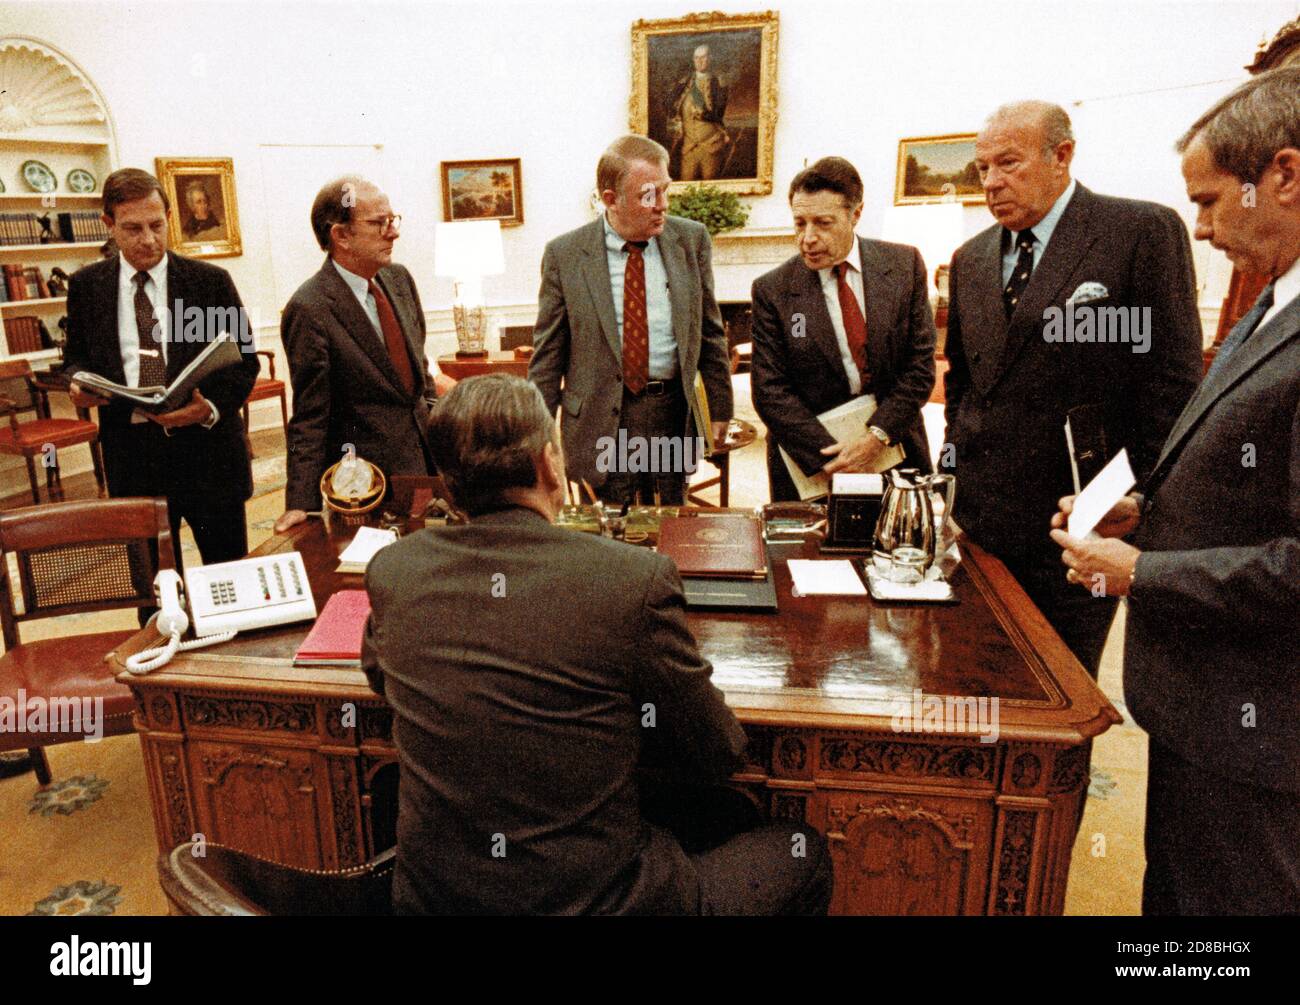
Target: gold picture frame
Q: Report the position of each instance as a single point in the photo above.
(732, 119)
(944, 170)
(204, 218)
(477, 190)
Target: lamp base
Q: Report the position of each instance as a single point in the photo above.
(471, 354)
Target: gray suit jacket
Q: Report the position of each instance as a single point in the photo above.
(798, 371)
(577, 353)
(532, 670)
(1210, 658)
(345, 389)
(1008, 389)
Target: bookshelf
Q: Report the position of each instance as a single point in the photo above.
(72, 130)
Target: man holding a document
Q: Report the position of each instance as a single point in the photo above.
(134, 320)
(844, 325)
(1213, 574)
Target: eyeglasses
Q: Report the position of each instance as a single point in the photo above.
(384, 222)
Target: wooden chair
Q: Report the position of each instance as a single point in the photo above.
(73, 558)
(267, 387)
(223, 882)
(21, 392)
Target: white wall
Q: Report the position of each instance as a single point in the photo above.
(548, 82)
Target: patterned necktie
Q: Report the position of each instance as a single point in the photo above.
(1020, 274)
(1242, 330)
(855, 325)
(153, 368)
(636, 325)
(393, 339)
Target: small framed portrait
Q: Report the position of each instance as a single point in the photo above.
(204, 221)
(937, 169)
(483, 190)
(704, 86)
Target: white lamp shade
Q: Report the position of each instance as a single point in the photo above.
(934, 229)
(468, 249)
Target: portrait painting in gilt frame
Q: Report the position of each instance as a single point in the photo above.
(937, 169)
(483, 190)
(704, 86)
(204, 219)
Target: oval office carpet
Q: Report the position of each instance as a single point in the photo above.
(85, 844)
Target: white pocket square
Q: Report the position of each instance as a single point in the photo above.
(1087, 292)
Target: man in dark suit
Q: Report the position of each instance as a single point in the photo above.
(1213, 575)
(521, 729)
(139, 318)
(815, 347)
(625, 319)
(354, 336)
(1072, 299)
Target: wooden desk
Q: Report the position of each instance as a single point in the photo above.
(298, 765)
(494, 362)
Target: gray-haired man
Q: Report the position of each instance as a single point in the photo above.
(521, 728)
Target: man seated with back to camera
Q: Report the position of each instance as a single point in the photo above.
(540, 677)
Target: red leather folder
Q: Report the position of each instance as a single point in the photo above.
(335, 639)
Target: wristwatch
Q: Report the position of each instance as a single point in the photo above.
(879, 434)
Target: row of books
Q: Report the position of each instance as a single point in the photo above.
(26, 334)
(46, 228)
(27, 282)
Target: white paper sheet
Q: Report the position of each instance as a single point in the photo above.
(368, 542)
(1100, 495)
(834, 577)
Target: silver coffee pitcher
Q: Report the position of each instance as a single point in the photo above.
(906, 532)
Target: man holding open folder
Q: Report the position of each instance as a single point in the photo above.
(846, 317)
(124, 318)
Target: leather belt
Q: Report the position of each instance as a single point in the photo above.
(656, 387)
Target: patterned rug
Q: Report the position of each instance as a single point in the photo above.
(85, 845)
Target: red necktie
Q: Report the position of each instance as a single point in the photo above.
(393, 338)
(855, 325)
(636, 326)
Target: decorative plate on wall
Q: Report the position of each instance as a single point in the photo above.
(80, 181)
(39, 177)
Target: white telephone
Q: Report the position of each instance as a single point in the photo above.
(225, 599)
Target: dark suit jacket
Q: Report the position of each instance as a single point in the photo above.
(1215, 601)
(796, 377)
(209, 462)
(578, 356)
(345, 389)
(514, 717)
(1008, 390)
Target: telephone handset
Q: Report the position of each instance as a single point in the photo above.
(224, 599)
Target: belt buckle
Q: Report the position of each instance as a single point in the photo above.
(656, 387)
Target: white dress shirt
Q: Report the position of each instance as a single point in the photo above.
(361, 290)
(1285, 289)
(128, 334)
(831, 291)
(658, 305)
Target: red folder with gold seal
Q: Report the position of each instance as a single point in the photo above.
(728, 546)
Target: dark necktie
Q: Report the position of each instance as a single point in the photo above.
(153, 368)
(1242, 330)
(636, 325)
(1020, 274)
(393, 338)
(855, 325)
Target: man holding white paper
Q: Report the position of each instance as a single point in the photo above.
(1213, 574)
(844, 319)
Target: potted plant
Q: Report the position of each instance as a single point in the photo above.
(719, 211)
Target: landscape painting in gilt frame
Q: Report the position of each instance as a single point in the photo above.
(204, 219)
(937, 169)
(704, 86)
(483, 190)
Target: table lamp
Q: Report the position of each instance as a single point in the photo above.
(935, 229)
(466, 251)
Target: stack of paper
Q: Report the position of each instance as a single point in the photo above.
(826, 577)
(357, 555)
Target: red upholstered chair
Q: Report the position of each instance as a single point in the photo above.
(267, 387)
(20, 392)
(73, 558)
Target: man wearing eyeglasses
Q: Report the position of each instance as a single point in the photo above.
(354, 335)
